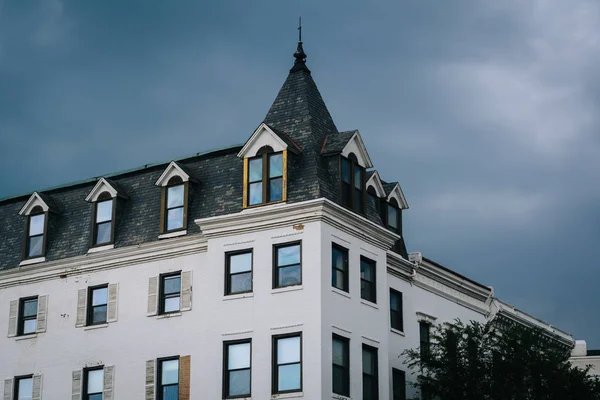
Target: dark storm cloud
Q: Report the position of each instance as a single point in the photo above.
(484, 111)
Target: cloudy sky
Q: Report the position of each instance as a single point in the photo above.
(486, 112)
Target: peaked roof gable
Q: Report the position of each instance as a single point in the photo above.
(106, 185)
(373, 179)
(175, 169)
(264, 135)
(394, 191)
(38, 199)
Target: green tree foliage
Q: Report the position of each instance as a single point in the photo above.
(492, 362)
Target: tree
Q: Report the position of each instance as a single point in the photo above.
(498, 362)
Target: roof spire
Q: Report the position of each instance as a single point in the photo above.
(300, 55)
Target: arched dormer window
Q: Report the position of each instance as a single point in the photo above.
(352, 181)
(374, 198)
(103, 211)
(265, 177)
(175, 205)
(37, 223)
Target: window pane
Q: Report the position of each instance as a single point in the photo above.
(25, 389)
(29, 326)
(172, 304)
(276, 189)
(255, 169)
(289, 377)
(170, 372)
(367, 388)
(95, 397)
(366, 270)
(103, 232)
(255, 193)
(366, 291)
(392, 217)
(99, 314)
(175, 218)
(338, 257)
(241, 282)
(346, 170)
(288, 350)
(368, 362)
(99, 296)
(35, 246)
(171, 392)
(36, 224)
(239, 382)
(358, 177)
(395, 321)
(104, 211)
(175, 196)
(239, 356)
(172, 284)
(29, 308)
(339, 381)
(240, 262)
(275, 165)
(289, 276)
(288, 255)
(95, 381)
(338, 279)
(339, 352)
(394, 301)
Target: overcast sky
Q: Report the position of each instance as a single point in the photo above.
(486, 112)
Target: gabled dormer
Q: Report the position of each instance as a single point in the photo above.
(375, 191)
(37, 212)
(265, 156)
(391, 214)
(104, 198)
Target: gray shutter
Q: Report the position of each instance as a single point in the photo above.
(81, 305)
(36, 393)
(12, 318)
(150, 366)
(113, 294)
(8, 387)
(186, 291)
(76, 388)
(152, 295)
(109, 376)
(42, 313)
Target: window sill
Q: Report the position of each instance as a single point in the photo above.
(370, 304)
(99, 326)
(30, 261)
(341, 292)
(287, 289)
(287, 395)
(101, 248)
(173, 234)
(335, 396)
(169, 315)
(238, 296)
(27, 337)
(397, 332)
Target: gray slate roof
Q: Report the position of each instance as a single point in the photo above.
(334, 144)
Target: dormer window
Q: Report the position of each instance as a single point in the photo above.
(265, 177)
(104, 215)
(374, 198)
(175, 205)
(36, 233)
(394, 217)
(352, 183)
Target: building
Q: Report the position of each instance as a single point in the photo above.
(582, 357)
(276, 269)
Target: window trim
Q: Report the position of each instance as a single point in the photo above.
(346, 341)
(375, 350)
(84, 390)
(94, 223)
(373, 265)
(228, 274)
(276, 265)
(161, 293)
(353, 160)
(346, 266)
(89, 313)
(16, 381)
(35, 212)
(164, 210)
(159, 385)
(21, 318)
(400, 311)
(264, 153)
(226, 369)
(275, 366)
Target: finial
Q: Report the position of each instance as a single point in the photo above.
(300, 55)
(300, 29)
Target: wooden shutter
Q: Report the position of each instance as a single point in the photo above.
(76, 386)
(163, 205)
(113, 295)
(184, 377)
(152, 295)
(81, 308)
(150, 366)
(13, 315)
(186, 291)
(42, 314)
(36, 393)
(8, 387)
(109, 377)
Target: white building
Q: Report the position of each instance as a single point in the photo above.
(276, 269)
(582, 357)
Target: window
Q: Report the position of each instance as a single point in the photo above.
(368, 287)
(424, 331)
(396, 318)
(97, 305)
(36, 233)
(398, 384)
(24, 387)
(370, 373)
(170, 293)
(175, 204)
(287, 363)
(265, 177)
(102, 229)
(237, 363)
(239, 272)
(287, 269)
(341, 365)
(339, 267)
(28, 315)
(393, 218)
(168, 378)
(352, 183)
(373, 198)
(93, 383)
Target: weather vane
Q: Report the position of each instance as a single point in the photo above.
(299, 29)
